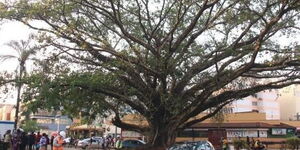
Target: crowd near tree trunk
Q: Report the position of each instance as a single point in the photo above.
(164, 60)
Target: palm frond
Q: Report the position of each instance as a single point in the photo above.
(16, 46)
(6, 57)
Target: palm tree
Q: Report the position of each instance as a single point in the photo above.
(24, 52)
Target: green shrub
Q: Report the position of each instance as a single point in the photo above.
(293, 142)
(30, 126)
(239, 144)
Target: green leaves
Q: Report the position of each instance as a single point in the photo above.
(75, 92)
(30, 126)
(163, 59)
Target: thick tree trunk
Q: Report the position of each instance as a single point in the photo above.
(161, 138)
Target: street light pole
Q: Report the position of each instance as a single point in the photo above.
(58, 122)
(58, 117)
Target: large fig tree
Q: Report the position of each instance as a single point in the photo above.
(167, 60)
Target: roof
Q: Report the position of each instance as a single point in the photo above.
(233, 125)
(87, 127)
(235, 120)
(241, 125)
(292, 123)
(236, 117)
(135, 119)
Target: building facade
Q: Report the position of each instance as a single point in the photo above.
(290, 103)
(263, 102)
(109, 128)
(51, 121)
(7, 112)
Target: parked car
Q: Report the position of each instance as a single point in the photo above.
(132, 143)
(67, 140)
(92, 143)
(199, 145)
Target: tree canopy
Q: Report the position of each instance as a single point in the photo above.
(166, 60)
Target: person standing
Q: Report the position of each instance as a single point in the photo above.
(112, 141)
(7, 140)
(58, 142)
(16, 139)
(119, 143)
(43, 142)
(225, 145)
(48, 141)
(248, 141)
(37, 140)
(24, 141)
(31, 140)
(71, 143)
(51, 142)
(252, 143)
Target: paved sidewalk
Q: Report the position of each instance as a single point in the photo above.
(73, 148)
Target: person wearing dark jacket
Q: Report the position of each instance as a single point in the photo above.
(51, 142)
(31, 140)
(24, 141)
(48, 141)
(16, 139)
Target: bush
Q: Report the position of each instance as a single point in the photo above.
(239, 144)
(293, 142)
(30, 126)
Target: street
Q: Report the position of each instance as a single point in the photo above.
(73, 148)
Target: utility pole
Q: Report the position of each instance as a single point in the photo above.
(58, 122)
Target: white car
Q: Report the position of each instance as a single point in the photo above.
(67, 140)
(199, 145)
(91, 143)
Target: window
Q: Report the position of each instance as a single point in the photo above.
(254, 103)
(8, 116)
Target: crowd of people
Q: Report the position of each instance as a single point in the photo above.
(19, 140)
(250, 144)
(104, 142)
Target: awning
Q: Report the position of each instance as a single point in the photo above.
(87, 127)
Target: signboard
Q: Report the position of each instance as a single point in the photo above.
(278, 131)
(242, 133)
(245, 133)
(263, 133)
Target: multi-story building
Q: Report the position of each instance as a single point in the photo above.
(263, 102)
(7, 112)
(51, 121)
(290, 103)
